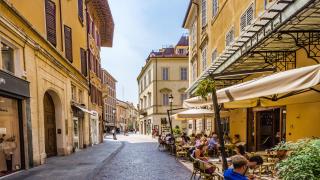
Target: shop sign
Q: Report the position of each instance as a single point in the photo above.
(13, 84)
(3, 130)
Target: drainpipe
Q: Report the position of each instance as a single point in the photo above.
(61, 25)
(198, 27)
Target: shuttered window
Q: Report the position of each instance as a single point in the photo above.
(214, 55)
(68, 42)
(215, 8)
(84, 65)
(246, 18)
(230, 37)
(80, 10)
(51, 22)
(204, 13)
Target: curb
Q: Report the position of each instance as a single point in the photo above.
(98, 168)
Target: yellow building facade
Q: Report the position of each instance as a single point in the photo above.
(237, 41)
(165, 73)
(44, 44)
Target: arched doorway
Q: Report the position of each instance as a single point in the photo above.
(49, 126)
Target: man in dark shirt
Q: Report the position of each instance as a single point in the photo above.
(239, 169)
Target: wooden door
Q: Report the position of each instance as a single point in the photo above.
(49, 126)
(267, 127)
(251, 145)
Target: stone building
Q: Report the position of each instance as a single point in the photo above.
(99, 34)
(165, 73)
(109, 99)
(44, 82)
(238, 41)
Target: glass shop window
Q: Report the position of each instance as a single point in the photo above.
(7, 55)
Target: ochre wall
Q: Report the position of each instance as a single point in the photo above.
(238, 123)
(303, 120)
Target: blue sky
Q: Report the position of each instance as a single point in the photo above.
(140, 26)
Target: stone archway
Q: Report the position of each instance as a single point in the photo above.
(49, 125)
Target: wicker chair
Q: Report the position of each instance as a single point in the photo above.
(196, 169)
(204, 175)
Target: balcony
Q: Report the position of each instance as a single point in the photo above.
(143, 112)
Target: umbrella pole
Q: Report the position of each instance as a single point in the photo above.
(218, 123)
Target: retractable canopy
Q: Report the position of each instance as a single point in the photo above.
(193, 113)
(275, 84)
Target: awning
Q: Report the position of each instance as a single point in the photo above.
(83, 109)
(197, 114)
(275, 84)
(193, 114)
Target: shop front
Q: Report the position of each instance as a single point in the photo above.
(14, 93)
(94, 121)
(78, 124)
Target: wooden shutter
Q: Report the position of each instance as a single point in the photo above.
(80, 10)
(68, 42)
(84, 65)
(88, 22)
(51, 22)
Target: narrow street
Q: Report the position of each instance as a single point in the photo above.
(130, 157)
(140, 159)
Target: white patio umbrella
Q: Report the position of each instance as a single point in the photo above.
(275, 84)
(193, 114)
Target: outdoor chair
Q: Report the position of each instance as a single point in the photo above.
(196, 169)
(205, 175)
(162, 144)
(180, 152)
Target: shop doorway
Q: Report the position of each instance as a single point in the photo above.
(49, 126)
(265, 128)
(76, 141)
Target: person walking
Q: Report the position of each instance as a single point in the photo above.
(114, 133)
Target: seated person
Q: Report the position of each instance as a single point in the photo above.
(236, 139)
(255, 161)
(239, 169)
(213, 143)
(199, 154)
(227, 139)
(204, 139)
(240, 151)
(185, 138)
(197, 141)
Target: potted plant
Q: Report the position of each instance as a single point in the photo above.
(303, 162)
(282, 148)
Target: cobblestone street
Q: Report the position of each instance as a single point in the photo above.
(131, 157)
(140, 159)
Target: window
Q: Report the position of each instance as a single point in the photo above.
(181, 51)
(183, 97)
(194, 34)
(68, 42)
(230, 37)
(144, 81)
(7, 55)
(149, 100)
(80, 10)
(215, 8)
(246, 18)
(145, 101)
(194, 70)
(51, 22)
(183, 74)
(149, 76)
(80, 96)
(165, 99)
(214, 55)
(204, 13)
(83, 56)
(165, 73)
(73, 93)
(204, 58)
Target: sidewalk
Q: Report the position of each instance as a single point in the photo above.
(81, 165)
